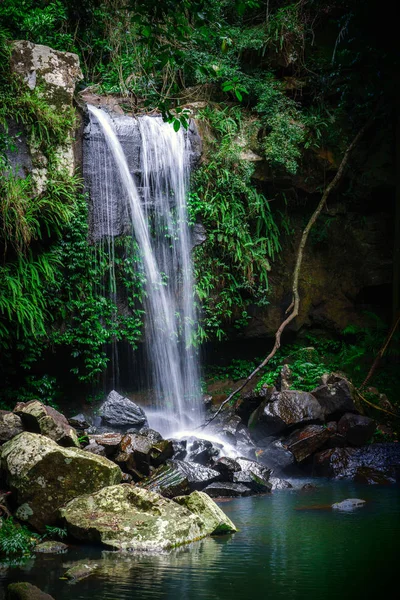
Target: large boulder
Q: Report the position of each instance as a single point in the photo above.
(214, 519)
(122, 413)
(44, 475)
(284, 409)
(10, 426)
(357, 429)
(38, 418)
(132, 518)
(336, 396)
(302, 443)
(202, 451)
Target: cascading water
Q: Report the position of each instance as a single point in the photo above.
(150, 176)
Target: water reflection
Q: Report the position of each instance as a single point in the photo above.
(279, 552)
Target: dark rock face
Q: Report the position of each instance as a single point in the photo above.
(335, 396)
(121, 412)
(251, 400)
(179, 448)
(95, 448)
(357, 429)
(226, 467)
(226, 489)
(284, 409)
(277, 458)
(38, 418)
(10, 426)
(304, 442)
(202, 451)
(26, 591)
(350, 463)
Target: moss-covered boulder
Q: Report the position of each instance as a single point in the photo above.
(26, 591)
(38, 418)
(126, 517)
(10, 426)
(44, 476)
(214, 519)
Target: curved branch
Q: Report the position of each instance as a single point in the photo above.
(294, 306)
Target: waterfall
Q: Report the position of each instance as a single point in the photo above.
(147, 181)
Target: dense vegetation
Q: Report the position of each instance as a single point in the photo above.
(293, 81)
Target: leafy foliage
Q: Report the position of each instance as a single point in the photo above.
(16, 541)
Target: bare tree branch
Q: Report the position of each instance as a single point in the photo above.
(294, 306)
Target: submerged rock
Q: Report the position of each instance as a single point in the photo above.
(26, 591)
(121, 412)
(80, 571)
(10, 426)
(214, 519)
(348, 504)
(45, 475)
(125, 517)
(284, 409)
(38, 418)
(52, 547)
(302, 443)
(357, 429)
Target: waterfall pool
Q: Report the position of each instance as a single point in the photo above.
(284, 549)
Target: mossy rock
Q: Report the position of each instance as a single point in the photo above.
(126, 517)
(26, 591)
(44, 476)
(214, 519)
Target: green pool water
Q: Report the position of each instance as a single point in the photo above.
(284, 549)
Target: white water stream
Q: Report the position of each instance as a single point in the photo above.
(159, 223)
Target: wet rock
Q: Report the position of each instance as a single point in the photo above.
(277, 458)
(227, 490)
(348, 504)
(95, 448)
(179, 477)
(121, 412)
(80, 571)
(179, 449)
(214, 519)
(150, 434)
(199, 234)
(308, 487)
(125, 517)
(284, 409)
(372, 477)
(138, 452)
(44, 475)
(79, 422)
(10, 426)
(226, 467)
(251, 400)
(26, 591)
(256, 484)
(357, 429)
(302, 443)
(345, 462)
(109, 441)
(202, 451)
(279, 484)
(38, 418)
(168, 480)
(336, 396)
(51, 547)
(126, 478)
(207, 401)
